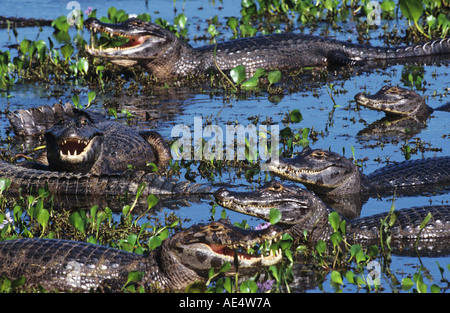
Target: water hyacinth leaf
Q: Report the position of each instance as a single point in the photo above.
(132, 239)
(43, 216)
(83, 65)
(91, 96)
(407, 283)
(334, 220)
(174, 223)
(248, 286)
(140, 190)
(225, 267)
(152, 200)
(274, 216)
(435, 289)
(233, 23)
(426, 220)
(274, 77)
(24, 45)
(238, 74)
(135, 276)
(411, 9)
(163, 234)
(336, 238)
(250, 83)
(212, 30)
(321, 246)
(336, 277)
(67, 51)
(181, 20)
(77, 221)
(154, 242)
(4, 184)
(295, 116)
(228, 284)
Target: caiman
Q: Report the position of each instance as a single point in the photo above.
(81, 141)
(406, 113)
(89, 155)
(341, 184)
(167, 57)
(301, 210)
(397, 102)
(329, 173)
(182, 259)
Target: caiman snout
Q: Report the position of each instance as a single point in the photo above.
(221, 193)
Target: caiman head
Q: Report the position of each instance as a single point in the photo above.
(300, 209)
(295, 204)
(146, 41)
(395, 101)
(324, 172)
(74, 143)
(205, 246)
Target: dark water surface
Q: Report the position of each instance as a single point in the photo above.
(338, 126)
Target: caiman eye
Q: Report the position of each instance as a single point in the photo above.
(83, 121)
(393, 90)
(318, 154)
(276, 187)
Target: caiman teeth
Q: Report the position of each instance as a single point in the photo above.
(74, 150)
(91, 48)
(289, 172)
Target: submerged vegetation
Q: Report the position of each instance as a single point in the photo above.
(61, 59)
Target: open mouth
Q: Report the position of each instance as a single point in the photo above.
(248, 255)
(117, 39)
(75, 150)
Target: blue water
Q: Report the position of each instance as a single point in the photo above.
(338, 134)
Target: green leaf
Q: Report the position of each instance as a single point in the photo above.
(152, 200)
(336, 238)
(350, 277)
(321, 246)
(334, 220)
(132, 239)
(407, 283)
(250, 83)
(248, 286)
(181, 20)
(83, 65)
(4, 184)
(274, 77)
(295, 116)
(225, 267)
(212, 30)
(140, 189)
(67, 51)
(163, 234)
(24, 45)
(154, 242)
(426, 220)
(135, 276)
(91, 96)
(77, 221)
(336, 277)
(238, 74)
(233, 23)
(411, 9)
(43, 217)
(435, 289)
(274, 216)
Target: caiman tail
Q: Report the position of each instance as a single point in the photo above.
(65, 183)
(435, 47)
